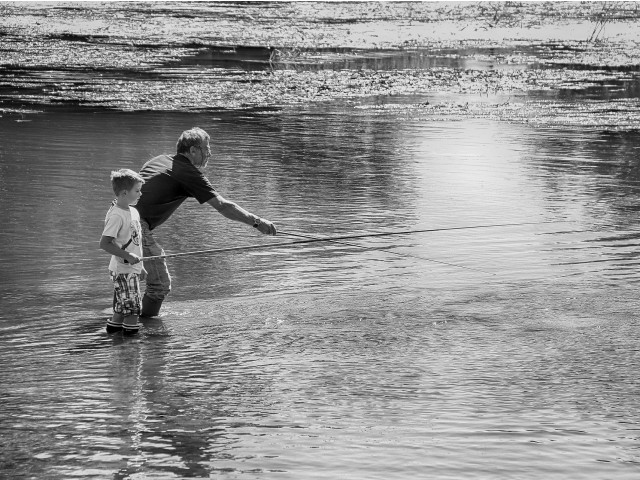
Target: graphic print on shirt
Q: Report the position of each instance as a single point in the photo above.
(136, 228)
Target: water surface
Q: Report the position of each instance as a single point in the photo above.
(504, 352)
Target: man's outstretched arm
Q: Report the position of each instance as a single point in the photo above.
(235, 212)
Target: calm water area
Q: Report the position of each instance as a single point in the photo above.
(503, 352)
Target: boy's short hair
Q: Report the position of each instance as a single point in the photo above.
(194, 137)
(124, 179)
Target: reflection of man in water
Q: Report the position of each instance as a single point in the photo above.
(169, 181)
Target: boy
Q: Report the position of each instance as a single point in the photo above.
(122, 238)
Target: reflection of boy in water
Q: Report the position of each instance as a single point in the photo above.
(169, 181)
(122, 238)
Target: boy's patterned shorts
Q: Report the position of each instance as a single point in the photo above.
(126, 294)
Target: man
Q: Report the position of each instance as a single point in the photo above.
(169, 181)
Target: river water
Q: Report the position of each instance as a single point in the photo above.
(503, 352)
(497, 338)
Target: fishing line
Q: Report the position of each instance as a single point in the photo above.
(406, 255)
(343, 237)
(407, 232)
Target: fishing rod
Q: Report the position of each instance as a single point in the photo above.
(445, 229)
(297, 242)
(406, 255)
(337, 238)
(224, 250)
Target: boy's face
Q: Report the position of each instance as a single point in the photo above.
(132, 196)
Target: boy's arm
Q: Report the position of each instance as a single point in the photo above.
(108, 245)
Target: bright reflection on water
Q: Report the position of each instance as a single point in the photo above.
(505, 352)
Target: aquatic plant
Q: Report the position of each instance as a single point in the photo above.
(137, 56)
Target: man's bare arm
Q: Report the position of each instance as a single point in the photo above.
(233, 211)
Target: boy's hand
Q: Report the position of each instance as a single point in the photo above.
(132, 258)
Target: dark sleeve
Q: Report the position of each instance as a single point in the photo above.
(195, 183)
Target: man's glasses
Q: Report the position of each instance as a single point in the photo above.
(206, 153)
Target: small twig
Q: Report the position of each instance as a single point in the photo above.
(601, 22)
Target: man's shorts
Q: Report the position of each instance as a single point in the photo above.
(126, 293)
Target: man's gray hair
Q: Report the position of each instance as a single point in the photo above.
(194, 137)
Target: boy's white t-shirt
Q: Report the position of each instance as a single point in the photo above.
(124, 225)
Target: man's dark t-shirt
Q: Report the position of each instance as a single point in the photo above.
(169, 181)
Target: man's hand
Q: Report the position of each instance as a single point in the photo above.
(265, 226)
